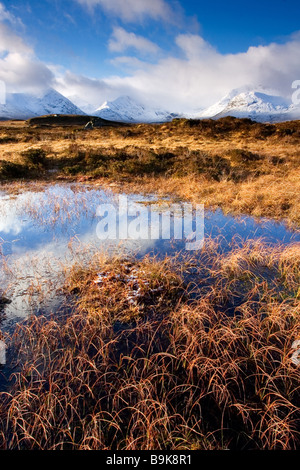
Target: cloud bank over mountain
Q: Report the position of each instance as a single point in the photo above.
(200, 74)
(191, 74)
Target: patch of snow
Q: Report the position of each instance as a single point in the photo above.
(2, 353)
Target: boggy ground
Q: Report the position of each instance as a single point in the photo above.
(196, 355)
(236, 164)
(185, 353)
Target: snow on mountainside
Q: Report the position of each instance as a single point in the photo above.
(254, 105)
(126, 109)
(25, 106)
(241, 103)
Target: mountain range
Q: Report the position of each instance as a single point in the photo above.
(256, 105)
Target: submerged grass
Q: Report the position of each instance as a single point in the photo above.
(236, 164)
(164, 354)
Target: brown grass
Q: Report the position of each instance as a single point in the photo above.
(164, 355)
(240, 166)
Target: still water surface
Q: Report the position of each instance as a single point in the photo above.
(42, 233)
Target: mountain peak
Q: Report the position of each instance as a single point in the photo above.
(127, 109)
(253, 104)
(25, 105)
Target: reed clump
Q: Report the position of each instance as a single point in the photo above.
(164, 354)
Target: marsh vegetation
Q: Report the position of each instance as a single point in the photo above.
(201, 364)
(143, 347)
(236, 164)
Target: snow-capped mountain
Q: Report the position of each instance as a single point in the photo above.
(25, 106)
(85, 106)
(125, 109)
(255, 105)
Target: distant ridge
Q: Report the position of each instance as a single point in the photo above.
(126, 109)
(255, 105)
(26, 106)
(71, 120)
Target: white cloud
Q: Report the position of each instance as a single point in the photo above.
(24, 73)
(86, 90)
(10, 42)
(128, 62)
(122, 40)
(5, 15)
(133, 10)
(195, 47)
(197, 79)
(203, 75)
(19, 68)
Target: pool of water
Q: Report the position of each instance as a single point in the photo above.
(43, 233)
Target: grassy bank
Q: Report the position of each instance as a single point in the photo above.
(238, 165)
(164, 355)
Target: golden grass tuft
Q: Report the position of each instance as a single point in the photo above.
(201, 362)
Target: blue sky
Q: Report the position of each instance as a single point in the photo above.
(158, 50)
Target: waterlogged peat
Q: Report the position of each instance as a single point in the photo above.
(44, 232)
(142, 344)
